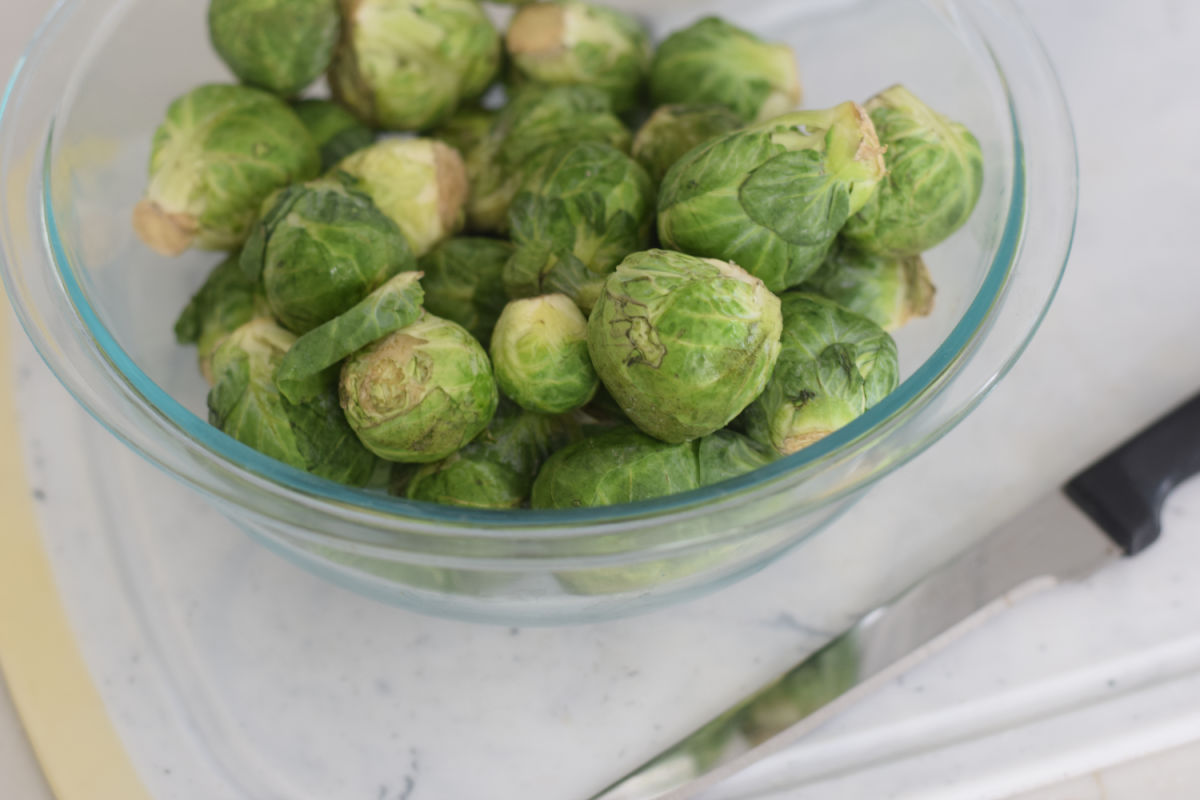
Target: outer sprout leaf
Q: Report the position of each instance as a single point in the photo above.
(308, 367)
(793, 195)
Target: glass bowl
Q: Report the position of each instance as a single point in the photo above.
(75, 126)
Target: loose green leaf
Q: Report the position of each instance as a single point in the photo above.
(310, 365)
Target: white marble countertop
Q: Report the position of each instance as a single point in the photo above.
(1112, 355)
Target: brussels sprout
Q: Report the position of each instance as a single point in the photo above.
(772, 198)
(226, 301)
(834, 365)
(621, 465)
(278, 45)
(421, 393)
(540, 355)
(309, 365)
(407, 64)
(715, 62)
(580, 210)
(497, 469)
(320, 247)
(683, 343)
(245, 404)
(336, 132)
(537, 118)
(567, 42)
(727, 454)
(218, 154)
(887, 290)
(935, 175)
(463, 282)
(672, 131)
(420, 183)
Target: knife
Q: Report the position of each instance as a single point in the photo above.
(1108, 511)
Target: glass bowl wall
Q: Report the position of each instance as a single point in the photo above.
(75, 127)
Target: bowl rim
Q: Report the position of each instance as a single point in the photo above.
(237, 462)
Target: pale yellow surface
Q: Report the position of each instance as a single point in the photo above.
(62, 712)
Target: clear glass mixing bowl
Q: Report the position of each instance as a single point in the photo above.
(75, 127)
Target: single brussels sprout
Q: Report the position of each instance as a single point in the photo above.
(835, 364)
(226, 301)
(421, 393)
(245, 404)
(336, 132)
(715, 62)
(727, 454)
(567, 42)
(536, 119)
(673, 130)
(218, 154)
(408, 64)
(773, 197)
(540, 355)
(620, 465)
(580, 210)
(309, 365)
(888, 290)
(683, 343)
(935, 175)
(497, 469)
(420, 183)
(321, 247)
(463, 282)
(278, 45)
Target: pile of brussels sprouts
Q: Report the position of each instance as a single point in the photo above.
(520, 301)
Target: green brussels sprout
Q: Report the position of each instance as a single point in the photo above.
(888, 290)
(935, 175)
(835, 364)
(336, 132)
(278, 45)
(227, 300)
(673, 130)
(568, 42)
(245, 404)
(536, 119)
(683, 343)
(218, 154)
(420, 183)
(715, 62)
(540, 355)
(421, 393)
(580, 210)
(321, 247)
(620, 465)
(727, 454)
(497, 469)
(408, 64)
(463, 282)
(773, 197)
(309, 365)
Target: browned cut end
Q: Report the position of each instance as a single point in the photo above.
(537, 29)
(869, 148)
(452, 185)
(921, 291)
(794, 444)
(165, 233)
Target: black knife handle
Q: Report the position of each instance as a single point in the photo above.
(1125, 490)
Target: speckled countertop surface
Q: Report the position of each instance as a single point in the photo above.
(282, 652)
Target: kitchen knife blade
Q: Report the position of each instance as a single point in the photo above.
(1108, 511)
